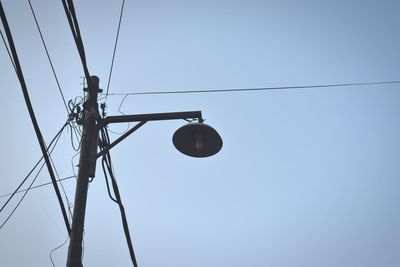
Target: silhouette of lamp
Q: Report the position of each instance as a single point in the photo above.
(195, 139)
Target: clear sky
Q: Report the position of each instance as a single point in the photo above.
(306, 178)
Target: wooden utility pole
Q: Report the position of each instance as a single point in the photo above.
(87, 165)
(186, 140)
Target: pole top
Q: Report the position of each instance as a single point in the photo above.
(94, 81)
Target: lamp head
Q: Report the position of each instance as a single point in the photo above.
(197, 140)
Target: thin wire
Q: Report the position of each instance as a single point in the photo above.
(32, 115)
(72, 163)
(8, 50)
(32, 170)
(115, 48)
(78, 132)
(120, 111)
(31, 184)
(62, 187)
(22, 198)
(54, 249)
(74, 132)
(120, 105)
(48, 57)
(39, 185)
(23, 181)
(74, 126)
(256, 89)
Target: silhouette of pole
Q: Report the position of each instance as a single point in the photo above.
(186, 141)
(87, 166)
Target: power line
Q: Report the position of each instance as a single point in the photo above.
(107, 165)
(32, 115)
(23, 181)
(38, 186)
(57, 138)
(48, 56)
(115, 47)
(74, 26)
(8, 50)
(22, 198)
(62, 187)
(30, 172)
(256, 89)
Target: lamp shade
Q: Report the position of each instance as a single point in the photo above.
(197, 140)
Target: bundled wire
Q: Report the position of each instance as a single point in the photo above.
(107, 168)
(75, 115)
(76, 33)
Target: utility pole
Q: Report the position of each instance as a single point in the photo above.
(195, 139)
(87, 166)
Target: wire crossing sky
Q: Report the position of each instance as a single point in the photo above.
(31, 113)
(259, 89)
(306, 177)
(36, 186)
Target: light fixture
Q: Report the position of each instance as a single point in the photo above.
(197, 140)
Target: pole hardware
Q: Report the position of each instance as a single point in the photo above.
(195, 139)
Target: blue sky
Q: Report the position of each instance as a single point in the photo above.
(305, 178)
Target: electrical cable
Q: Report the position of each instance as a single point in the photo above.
(31, 184)
(54, 249)
(72, 163)
(38, 186)
(32, 115)
(255, 89)
(61, 93)
(80, 46)
(22, 198)
(16, 190)
(8, 50)
(74, 131)
(103, 164)
(115, 48)
(48, 56)
(76, 118)
(30, 172)
(73, 23)
(117, 199)
(62, 187)
(120, 111)
(123, 215)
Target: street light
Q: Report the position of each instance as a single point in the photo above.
(195, 139)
